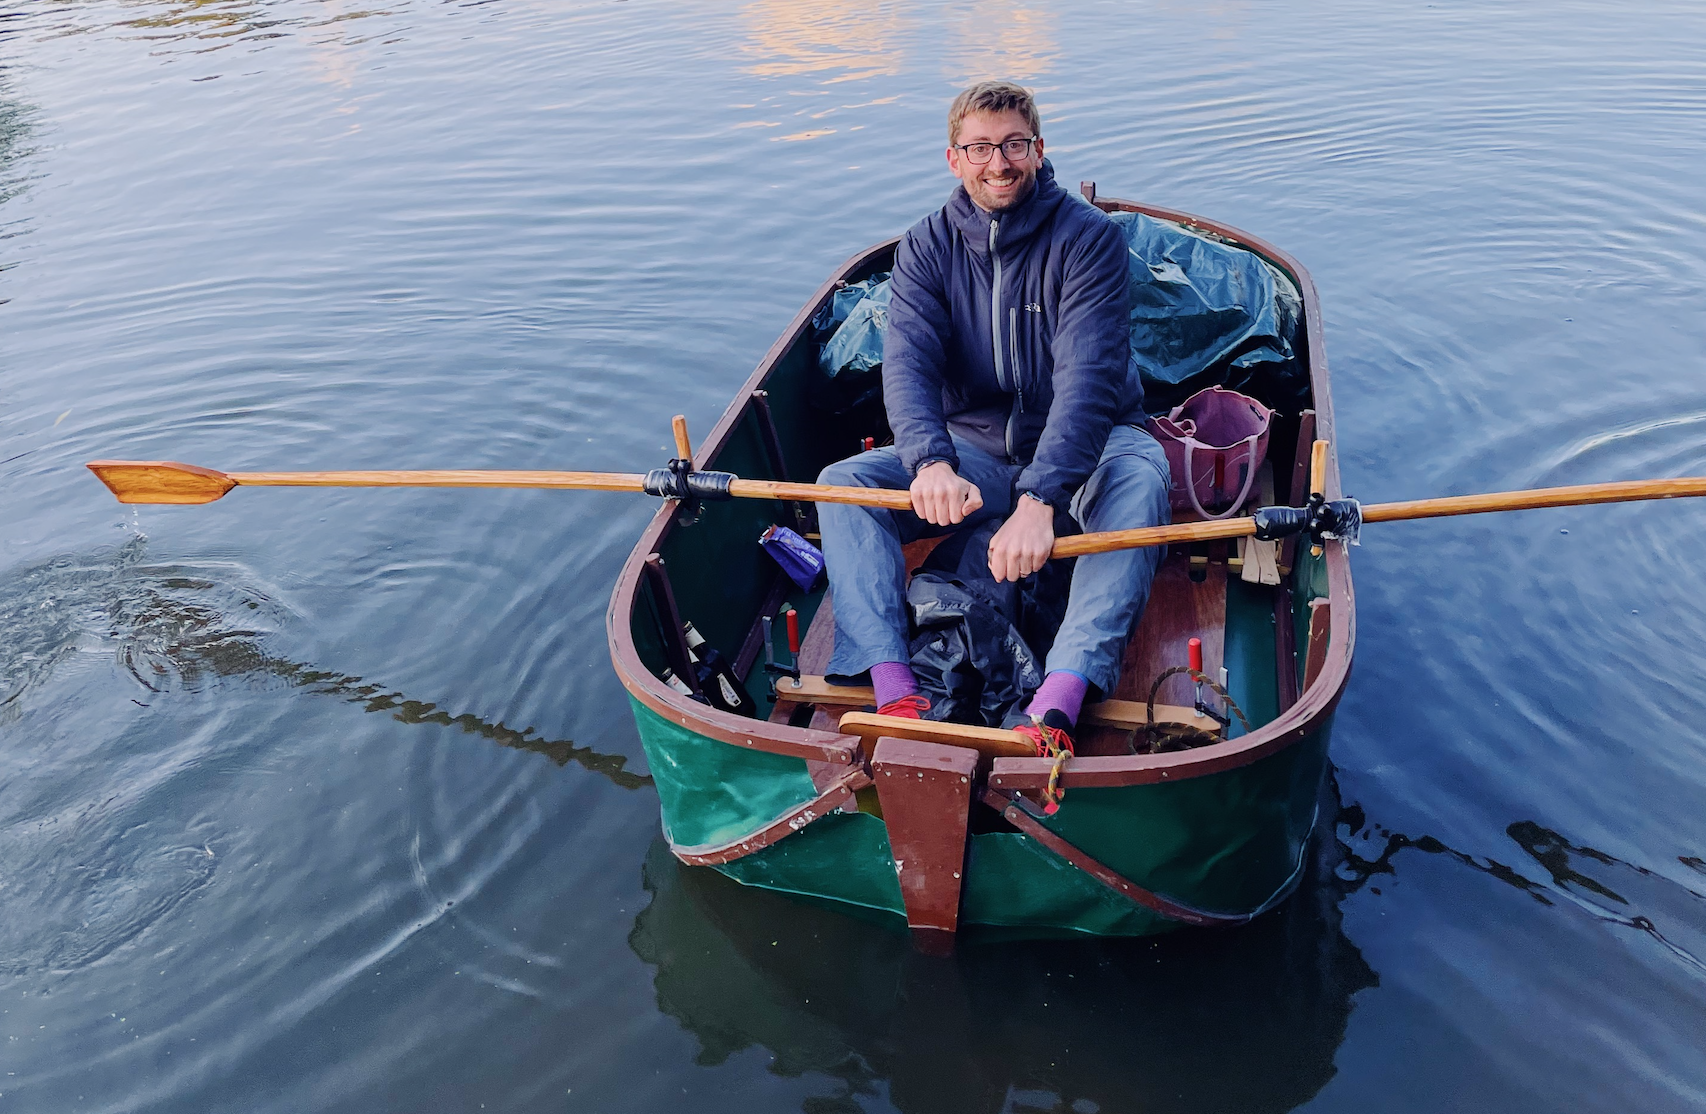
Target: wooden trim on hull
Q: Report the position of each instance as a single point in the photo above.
(1305, 717)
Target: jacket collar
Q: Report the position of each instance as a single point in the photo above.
(1017, 223)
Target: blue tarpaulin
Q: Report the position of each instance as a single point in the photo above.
(1203, 313)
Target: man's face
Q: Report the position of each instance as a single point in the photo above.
(1000, 183)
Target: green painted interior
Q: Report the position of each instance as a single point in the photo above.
(1308, 582)
(758, 681)
(1252, 678)
(717, 571)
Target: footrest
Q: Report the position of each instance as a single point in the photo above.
(985, 740)
(816, 690)
(1107, 713)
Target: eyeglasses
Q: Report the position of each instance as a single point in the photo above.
(1011, 149)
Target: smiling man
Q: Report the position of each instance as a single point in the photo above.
(1007, 381)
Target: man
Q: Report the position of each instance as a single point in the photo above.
(1006, 378)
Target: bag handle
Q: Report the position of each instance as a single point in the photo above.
(1249, 443)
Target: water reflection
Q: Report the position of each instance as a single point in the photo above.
(849, 39)
(1000, 39)
(16, 127)
(206, 25)
(852, 40)
(1601, 885)
(174, 627)
(1115, 1025)
(373, 698)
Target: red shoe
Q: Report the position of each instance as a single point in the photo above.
(1051, 734)
(910, 706)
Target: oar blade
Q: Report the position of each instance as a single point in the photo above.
(161, 481)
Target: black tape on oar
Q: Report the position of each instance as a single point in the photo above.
(688, 488)
(1340, 520)
(686, 485)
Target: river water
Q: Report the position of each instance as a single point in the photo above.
(328, 800)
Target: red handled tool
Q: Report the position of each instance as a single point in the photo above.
(1195, 648)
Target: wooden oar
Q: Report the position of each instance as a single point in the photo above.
(167, 481)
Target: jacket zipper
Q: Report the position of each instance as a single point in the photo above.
(995, 303)
(1013, 354)
(995, 326)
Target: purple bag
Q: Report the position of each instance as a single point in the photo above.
(1215, 442)
(799, 558)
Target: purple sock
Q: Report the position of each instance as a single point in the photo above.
(892, 680)
(1063, 690)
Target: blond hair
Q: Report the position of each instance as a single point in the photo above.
(993, 96)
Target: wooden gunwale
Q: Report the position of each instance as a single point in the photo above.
(1307, 716)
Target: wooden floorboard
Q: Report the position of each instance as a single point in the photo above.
(1179, 610)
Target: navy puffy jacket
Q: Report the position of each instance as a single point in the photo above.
(1013, 329)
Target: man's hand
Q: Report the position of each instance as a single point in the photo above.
(1023, 543)
(940, 497)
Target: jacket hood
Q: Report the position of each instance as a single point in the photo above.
(1017, 223)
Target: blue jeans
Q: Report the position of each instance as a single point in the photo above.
(867, 571)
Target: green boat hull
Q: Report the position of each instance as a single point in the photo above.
(1233, 842)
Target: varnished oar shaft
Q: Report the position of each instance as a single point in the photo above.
(887, 498)
(589, 481)
(445, 477)
(1580, 495)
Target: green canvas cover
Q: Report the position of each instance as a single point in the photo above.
(712, 792)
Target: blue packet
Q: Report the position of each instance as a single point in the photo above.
(800, 559)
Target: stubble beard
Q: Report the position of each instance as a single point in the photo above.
(980, 193)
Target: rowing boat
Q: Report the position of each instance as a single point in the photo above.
(939, 826)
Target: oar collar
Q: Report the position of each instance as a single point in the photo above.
(1339, 520)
